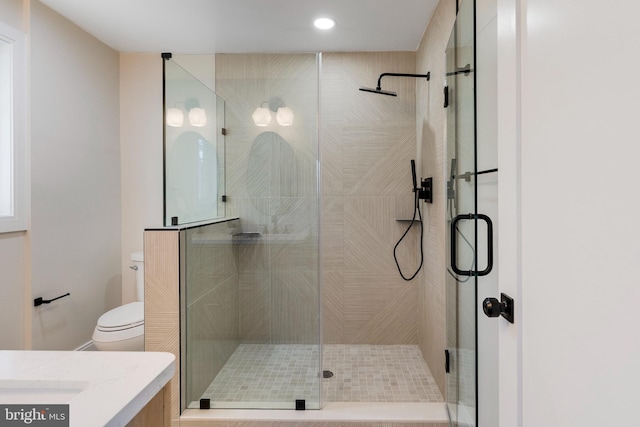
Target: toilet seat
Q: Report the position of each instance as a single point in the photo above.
(121, 328)
(124, 317)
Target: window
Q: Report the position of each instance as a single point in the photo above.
(13, 130)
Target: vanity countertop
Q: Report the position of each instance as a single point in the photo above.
(102, 388)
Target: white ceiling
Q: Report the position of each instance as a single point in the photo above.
(235, 26)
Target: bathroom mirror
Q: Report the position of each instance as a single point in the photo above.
(194, 149)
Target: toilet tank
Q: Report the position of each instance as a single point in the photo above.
(138, 266)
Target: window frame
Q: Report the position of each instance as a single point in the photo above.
(18, 221)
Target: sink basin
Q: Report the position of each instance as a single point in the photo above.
(39, 392)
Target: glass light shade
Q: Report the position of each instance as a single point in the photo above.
(284, 116)
(262, 116)
(175, 117)
(197, 117)
(324, 23)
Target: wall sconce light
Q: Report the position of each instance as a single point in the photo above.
(262, 115)
(197, 115)
(175, 117)
(284, 116)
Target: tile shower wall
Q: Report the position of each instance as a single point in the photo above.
(431, 150)
(367, 142)
(272, 187)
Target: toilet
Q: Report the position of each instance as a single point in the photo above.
(122, 328)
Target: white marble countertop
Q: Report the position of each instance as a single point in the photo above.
(101, 388)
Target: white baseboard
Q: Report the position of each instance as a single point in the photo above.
(87, 347)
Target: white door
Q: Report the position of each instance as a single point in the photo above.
(569, 147)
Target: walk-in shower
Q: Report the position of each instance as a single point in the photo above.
(290, 298)
(250, 288)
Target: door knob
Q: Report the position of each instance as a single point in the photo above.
(493, 307)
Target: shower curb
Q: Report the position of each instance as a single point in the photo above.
(376, 414)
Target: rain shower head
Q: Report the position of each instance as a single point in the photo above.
(379, 90)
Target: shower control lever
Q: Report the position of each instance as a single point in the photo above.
(494, 308)
(425, 192)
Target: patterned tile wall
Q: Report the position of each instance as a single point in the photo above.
(161, 302)
(432, 154)
(367, 142)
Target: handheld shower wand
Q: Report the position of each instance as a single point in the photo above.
(413, 175)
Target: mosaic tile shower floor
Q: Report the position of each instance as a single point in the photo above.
(362, 373)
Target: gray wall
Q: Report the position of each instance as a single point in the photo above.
(13, 245)
(73, 244)
(75, 179)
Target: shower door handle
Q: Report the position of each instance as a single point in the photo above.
(454, 250)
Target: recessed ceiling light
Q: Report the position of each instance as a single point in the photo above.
(324, 23)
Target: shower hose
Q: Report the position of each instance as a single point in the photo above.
(416, 208)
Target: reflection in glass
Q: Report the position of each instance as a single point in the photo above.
(192, 165)
(194, 149)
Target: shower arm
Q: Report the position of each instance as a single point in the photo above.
(426, 76)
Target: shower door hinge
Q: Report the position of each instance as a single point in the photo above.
(223, 131)
(447, 365)
(446, 96)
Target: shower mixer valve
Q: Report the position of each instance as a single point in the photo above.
(425, 191)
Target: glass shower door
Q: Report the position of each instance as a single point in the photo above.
(251, 297)
(462, 219)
